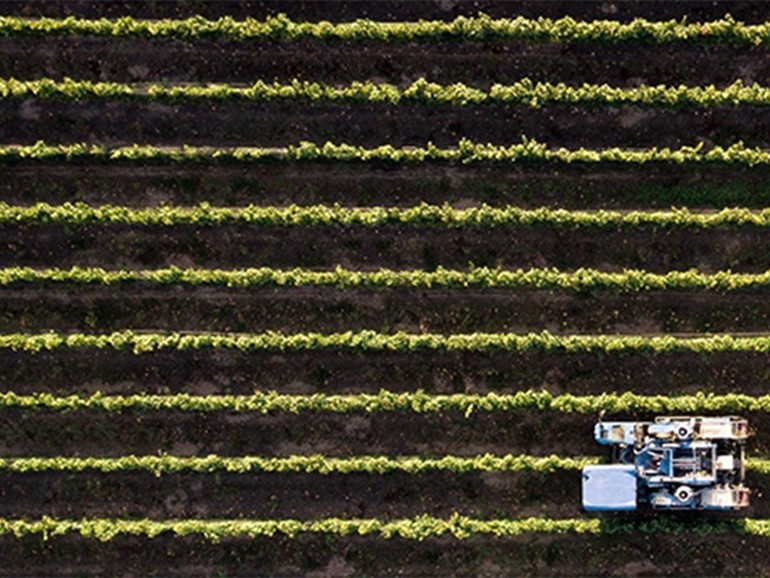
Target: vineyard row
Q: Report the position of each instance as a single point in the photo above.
(419, 528)
(479, 28)
(320, 464)
(297, 464)
(525, 92)
(420, 215)
(368, 340)
(465, 152)
(387, 401)
(581, 280)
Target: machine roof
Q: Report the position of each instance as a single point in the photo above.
(609, 488)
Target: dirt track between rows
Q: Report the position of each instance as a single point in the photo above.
(370, 125)
(139, 60)
(391, 246)
(377, 184)
(207, 372)
(333, 310)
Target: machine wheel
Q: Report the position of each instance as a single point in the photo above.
(683, 432)
(683, 493)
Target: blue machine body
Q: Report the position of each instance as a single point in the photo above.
(609, 488)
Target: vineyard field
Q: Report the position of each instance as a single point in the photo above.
(341, 288)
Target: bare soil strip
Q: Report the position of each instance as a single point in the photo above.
(329, 310)
(370, 125)
(531, 186)
(566, 555)
(299, 496)
(87, 371)
(30, 433)
(396, 247)
(130, 60)
(391, 10)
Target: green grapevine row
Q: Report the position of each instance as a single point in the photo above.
(165, 464)
(418, 528)
(300, 464)
(421, 215)
(481, 27)
(421, 91)
(386, 401)
(367, 340)
(466, 152)
(628, 281)
(758, 465)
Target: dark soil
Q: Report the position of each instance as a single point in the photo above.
(206, 372)
(42, 433)
(328, 310)
(306, 496)
(140, 60)
(391, 246)
(278, 124)
(391, 10)
(528, 555)
(524, 185)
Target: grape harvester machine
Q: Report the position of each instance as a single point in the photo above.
(673, 463)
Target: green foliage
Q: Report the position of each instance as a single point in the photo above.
(759, 465)
(479, 28)
(422, 215)
(368, 340)
(387, 401)
(525, 92)
(466, 152)
(418, 528)
(321, 464)
(581, 280)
